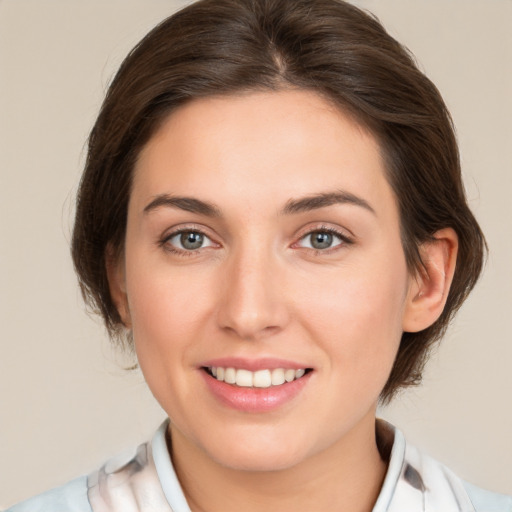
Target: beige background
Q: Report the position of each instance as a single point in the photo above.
(65, 403)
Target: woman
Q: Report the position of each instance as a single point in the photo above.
(272, 214)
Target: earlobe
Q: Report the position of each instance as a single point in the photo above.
(429, 288)
(117, 284)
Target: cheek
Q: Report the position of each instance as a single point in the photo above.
(169, 313)
(357, 318)
(167, 309)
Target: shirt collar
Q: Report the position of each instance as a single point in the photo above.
(165, 470)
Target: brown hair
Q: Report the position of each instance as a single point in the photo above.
(215, 47)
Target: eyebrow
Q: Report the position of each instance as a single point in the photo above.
(189, 204)
(322, 200)
(293, 206)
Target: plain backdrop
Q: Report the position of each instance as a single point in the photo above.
(66, 404)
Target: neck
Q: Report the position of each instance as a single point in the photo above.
(346, 476)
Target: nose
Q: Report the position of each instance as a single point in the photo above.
(253, 302)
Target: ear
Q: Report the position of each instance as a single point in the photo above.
(429, 288)
(116, 276)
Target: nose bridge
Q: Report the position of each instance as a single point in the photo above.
(252, 304)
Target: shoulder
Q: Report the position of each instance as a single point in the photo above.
(441, 483)
(141, 478)
(487, 501)
(71, 497)
(418, 483)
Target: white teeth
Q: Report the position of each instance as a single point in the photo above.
(230, 376)
(262, 379)
(259, 379)
(244, 378)
(277, 377)
(289, 375)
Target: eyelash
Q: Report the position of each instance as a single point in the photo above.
(345, 240)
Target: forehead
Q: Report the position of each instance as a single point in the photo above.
(261, 148)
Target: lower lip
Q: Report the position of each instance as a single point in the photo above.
(255, 399)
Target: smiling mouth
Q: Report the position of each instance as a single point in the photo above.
(259, 379)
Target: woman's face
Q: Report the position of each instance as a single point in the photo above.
(262, 239)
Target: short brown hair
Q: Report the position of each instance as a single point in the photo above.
(222, 47)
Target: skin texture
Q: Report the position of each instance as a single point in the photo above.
(256, 288)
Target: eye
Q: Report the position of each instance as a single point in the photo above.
(323, 239)
(188, 240)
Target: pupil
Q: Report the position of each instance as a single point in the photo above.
(191, 240)
(321, 240)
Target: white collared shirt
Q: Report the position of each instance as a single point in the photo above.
(145, 481)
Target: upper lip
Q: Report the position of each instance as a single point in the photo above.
(264, 363)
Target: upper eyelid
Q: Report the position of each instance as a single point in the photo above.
(302, 233)
(343, 233)
(169, 233)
